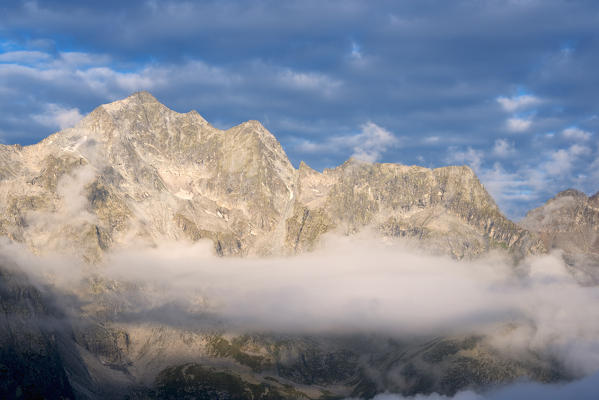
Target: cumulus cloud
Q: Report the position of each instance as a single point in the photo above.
(308, 146)
(517, 102)
(576, 134)
(356, 51)
(369, 144)
(562, 160)
(503, 148)
(372, 142)
(535, 178)
(309, 81)
(432, 139)
(518, 124)
(56, 116)
(24, 56)
(470, 156)
(506, 187)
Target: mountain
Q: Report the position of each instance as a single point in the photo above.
(570, 222)
(134, 174)
(134, 171)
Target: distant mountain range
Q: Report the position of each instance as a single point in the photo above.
(134, 173)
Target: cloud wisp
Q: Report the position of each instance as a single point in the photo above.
(515, 103)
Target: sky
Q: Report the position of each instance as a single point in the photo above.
(509, 87)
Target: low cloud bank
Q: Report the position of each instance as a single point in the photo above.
(351, 285)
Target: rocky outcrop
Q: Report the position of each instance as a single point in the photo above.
(570, 222)
(446, 208)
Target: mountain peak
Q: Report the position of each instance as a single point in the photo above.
(571, 193)
(143, 96)
(137, 100)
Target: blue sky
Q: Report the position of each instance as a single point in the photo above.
(509, 87)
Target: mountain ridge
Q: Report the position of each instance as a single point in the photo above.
(149, 173)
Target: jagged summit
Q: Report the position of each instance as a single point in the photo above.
(570, 222)
(571, 193)
(141, 98)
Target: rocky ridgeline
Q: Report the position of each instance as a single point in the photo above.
(136, 172)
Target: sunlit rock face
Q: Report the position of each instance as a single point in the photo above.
(134, 172)
(570, 222)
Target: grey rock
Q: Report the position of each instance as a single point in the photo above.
(570, 222)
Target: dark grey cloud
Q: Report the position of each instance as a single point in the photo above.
(430, 72)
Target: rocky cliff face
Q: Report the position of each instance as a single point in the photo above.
(570, 222)
(447, 209)
(134, 171)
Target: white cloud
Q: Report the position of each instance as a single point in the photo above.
(470, 156)
(517, 102)
(505, 186)
(309, 81)
(367, 145)
(24, 57)
(431, 139)
(576, 134)
(79, 59)
(308, 146)
(95, 73)
(56, 116)
(562, 160)
(372, 142)
(533, 179)
(503, 148)
(517, 124)
(356, 51)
